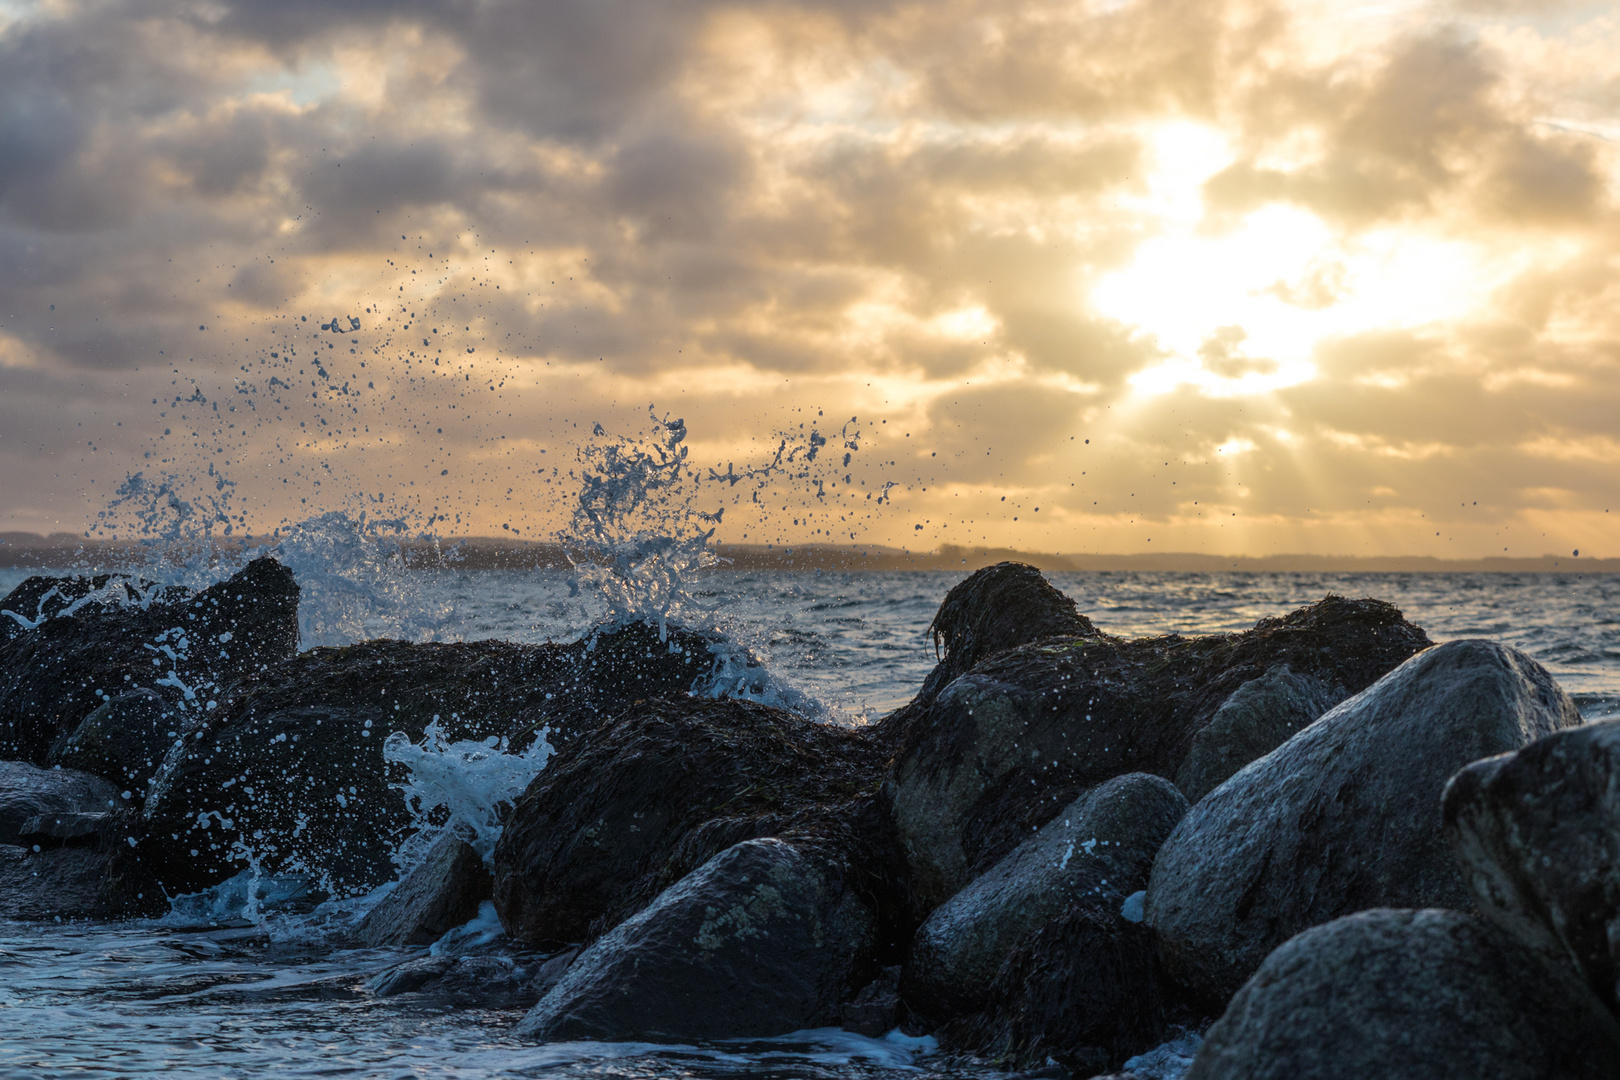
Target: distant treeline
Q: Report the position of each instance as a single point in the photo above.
(18, 549)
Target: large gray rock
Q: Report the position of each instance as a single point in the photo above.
(28, 792)
(1409, 995)
(1537, 835)
(1096, 852)
(438, 894)
(1345, 816)
(1260, 716)
(762, 939)
(1003, 747)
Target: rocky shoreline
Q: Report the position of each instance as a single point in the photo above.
(1332, 846)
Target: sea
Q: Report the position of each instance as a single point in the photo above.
(229, 988)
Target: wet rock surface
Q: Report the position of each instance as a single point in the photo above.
(1425, 995)
(1537, 837)
(761, 940)
(1005, 746)
(1345, 816)
(439, 893)
(192, 649)
(294, 758)
(1260, 716)
(126, 738)
(461, 982)
(662, 789)
(1085, 991)
(1096, 852)
(28, 792)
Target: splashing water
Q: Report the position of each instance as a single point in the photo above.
(355, 583)
(460, 787)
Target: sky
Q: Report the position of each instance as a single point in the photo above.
(1152, 275)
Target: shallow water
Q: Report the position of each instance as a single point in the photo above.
(147, 999)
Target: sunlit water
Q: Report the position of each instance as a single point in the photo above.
(148, 999)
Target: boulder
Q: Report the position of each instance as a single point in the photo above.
(463, 982)
(761, 940)
(1260, 716)
(1006, 746)
(1345, 815)
(439, 893)
(1084, 991)
(29, 792)
(1537, 837)
(291, 766)
(191, 648)
(125, 739)
(662, 789)
(53, 882)
(1096, 852)
(1409, 995)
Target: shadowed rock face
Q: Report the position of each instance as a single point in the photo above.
(761, 940)
(659, 791)
(1096, 852)
(1260, 716)
(28, 791)
(1424, 995)
(293, 764)
(1537, 836)
(190, 648)
(1345, 816)
(439, 894)
(1085, 991)
(1005, 746)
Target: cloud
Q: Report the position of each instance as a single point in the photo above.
(899, 211)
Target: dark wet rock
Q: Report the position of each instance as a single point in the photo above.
(41, 597)
(1085, 991)
(1409, 995)
(124, 739)
(1097, 851)
(1008, 744)
(293, 761)
(875, 1010)
(467, 982)
(1537, 837)
(1260, 716)
(28, 792)
(439, 893)
(658, 792)
(65, 828)
(192, 649)
(761, 940)
(1344, 816)
(60, 882)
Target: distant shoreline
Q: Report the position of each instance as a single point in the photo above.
(31, 550)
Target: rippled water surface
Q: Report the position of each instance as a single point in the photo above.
(150, 1000)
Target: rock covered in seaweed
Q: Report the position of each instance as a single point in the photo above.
(1409, 995)
(1006, 745)
(1094, 854)
(291, 766)
(190, 648)
(662, 789)
(126, 738)
(1537, 837)
(1344, 816)
(765, 938)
